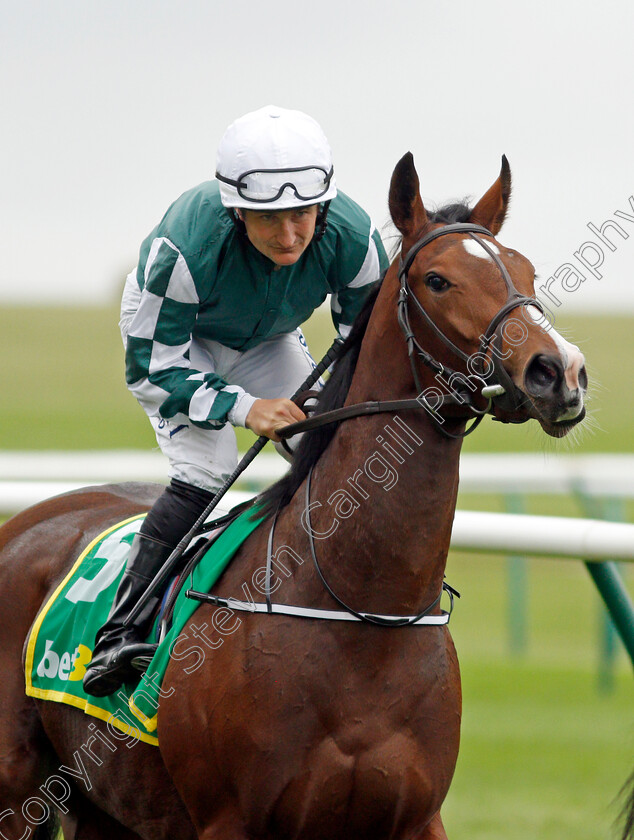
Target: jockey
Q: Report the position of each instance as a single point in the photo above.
(211, 320)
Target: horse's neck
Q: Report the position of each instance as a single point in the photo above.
(385, 491)
(382, 507)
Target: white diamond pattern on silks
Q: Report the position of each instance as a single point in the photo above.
(370, 268)
(181, 287)
(150, 396)
(201, 403)
(143, 325)
(164, 357)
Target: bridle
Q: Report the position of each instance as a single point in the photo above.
(499, 389)
(494, 383)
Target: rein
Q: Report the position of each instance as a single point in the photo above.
(426, 616)
(371, 618)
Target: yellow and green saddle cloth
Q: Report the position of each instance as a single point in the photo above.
(61, 640)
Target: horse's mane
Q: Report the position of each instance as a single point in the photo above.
(314, 443)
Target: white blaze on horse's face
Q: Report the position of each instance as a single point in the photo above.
(572, 358)
(473, 247)
(556, 379)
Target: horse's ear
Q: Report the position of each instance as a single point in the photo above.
(490, 211)
(406, 205)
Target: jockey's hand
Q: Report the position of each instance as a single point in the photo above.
(267, 416)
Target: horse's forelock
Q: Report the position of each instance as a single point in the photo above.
(449, 214)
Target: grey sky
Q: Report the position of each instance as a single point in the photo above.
(110, 111)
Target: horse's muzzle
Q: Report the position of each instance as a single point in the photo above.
(557, 393)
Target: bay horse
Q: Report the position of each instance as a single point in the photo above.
(277, 726)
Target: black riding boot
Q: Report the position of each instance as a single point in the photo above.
(116, 645)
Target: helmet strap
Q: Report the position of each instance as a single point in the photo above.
(237, 221)
(322, 222)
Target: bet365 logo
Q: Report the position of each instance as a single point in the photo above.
(65, 666)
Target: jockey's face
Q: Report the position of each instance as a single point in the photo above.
(281, 235)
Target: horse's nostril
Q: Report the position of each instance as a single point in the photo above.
(583, 378)
(543, 375)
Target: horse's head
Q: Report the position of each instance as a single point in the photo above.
(468, 311)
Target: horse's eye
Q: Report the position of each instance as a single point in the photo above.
(436, 283)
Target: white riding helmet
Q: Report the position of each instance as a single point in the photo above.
(275, 159)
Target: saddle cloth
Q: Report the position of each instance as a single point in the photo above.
(62, 637)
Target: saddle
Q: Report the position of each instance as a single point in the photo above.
(197, 549)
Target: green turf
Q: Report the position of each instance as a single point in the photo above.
(607, 343)
(546, 745)
(62, 381)
(62, 385)
(540, 758)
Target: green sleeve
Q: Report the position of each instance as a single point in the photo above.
(158, 369)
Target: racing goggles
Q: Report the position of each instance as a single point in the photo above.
(308, 183)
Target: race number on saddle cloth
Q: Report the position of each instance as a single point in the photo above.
(61, 640)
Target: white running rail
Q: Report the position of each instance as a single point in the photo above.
(30, 477)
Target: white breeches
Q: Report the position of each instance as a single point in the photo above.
(275, 368)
